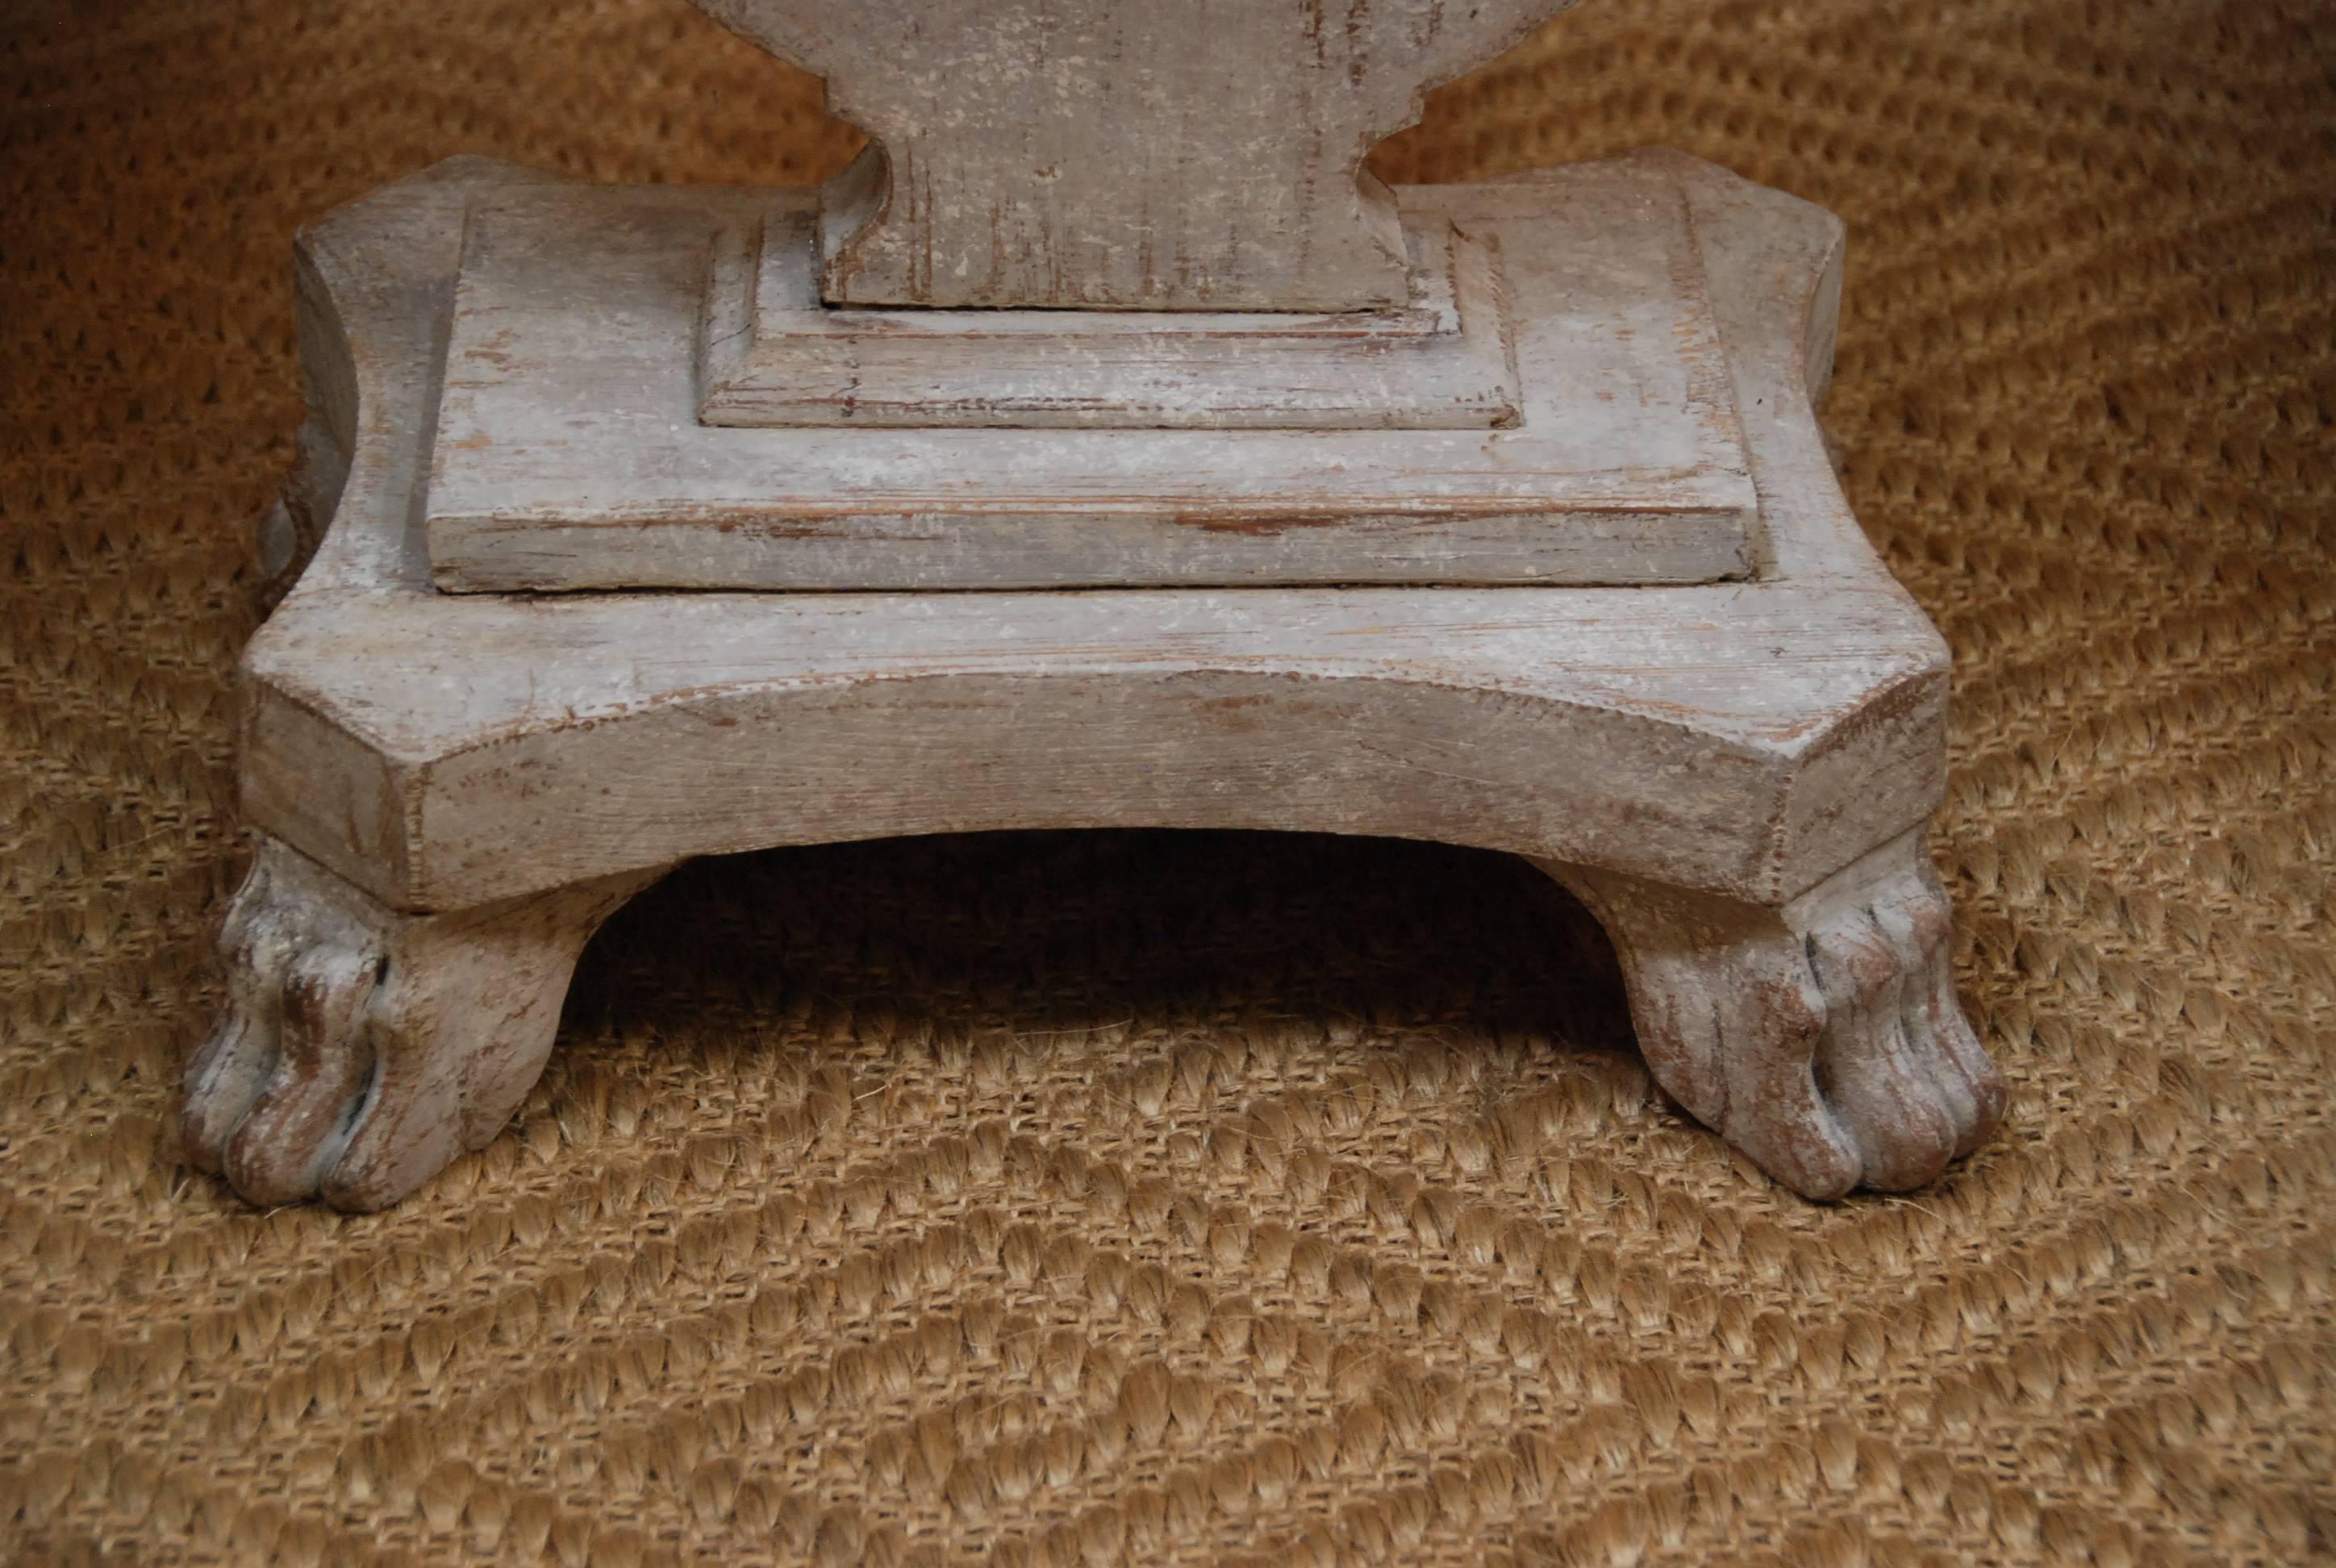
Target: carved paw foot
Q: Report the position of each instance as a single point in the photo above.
(1823, 1039)
(362, 1049)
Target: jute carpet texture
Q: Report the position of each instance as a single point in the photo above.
(1176, 1198)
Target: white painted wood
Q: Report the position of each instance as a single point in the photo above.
(363, 1048)
(1743, 739)
(1735, 777)
(1178, 155)
(1821, 1037)
(570, 455)
(772, 354)
(1702, 738)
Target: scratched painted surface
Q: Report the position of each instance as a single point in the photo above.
(450, 791)
(444, 750)
(773, 353)
(569, 454)
(1172, 154)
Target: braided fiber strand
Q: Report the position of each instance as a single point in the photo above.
(1071, 1199)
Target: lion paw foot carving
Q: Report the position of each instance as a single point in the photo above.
(362, 1049)
(1896, 1065)
(1823, 1039)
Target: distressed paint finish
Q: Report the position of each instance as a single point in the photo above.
(1174, 155)
(771, 354)
(363, 1048)
(571, 455)
(1735, 777)
(1822, 1037)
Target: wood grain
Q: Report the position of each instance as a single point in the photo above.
(1188, 155)
(1746, 739)
(570, 455)
(772, 353)
(1735, 777)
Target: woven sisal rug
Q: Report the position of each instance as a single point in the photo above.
(1077, 1199)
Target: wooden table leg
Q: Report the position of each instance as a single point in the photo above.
(1821, 1037)
(363, 1048)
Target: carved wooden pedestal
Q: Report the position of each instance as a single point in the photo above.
(452, 790)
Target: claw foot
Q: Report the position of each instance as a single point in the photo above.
(362, 1048)
(1823, 1039)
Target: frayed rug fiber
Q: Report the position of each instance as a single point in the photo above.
(1176, 1198)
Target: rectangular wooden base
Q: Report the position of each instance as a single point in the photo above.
(570, 454)
(442, 750)
(773, 353)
